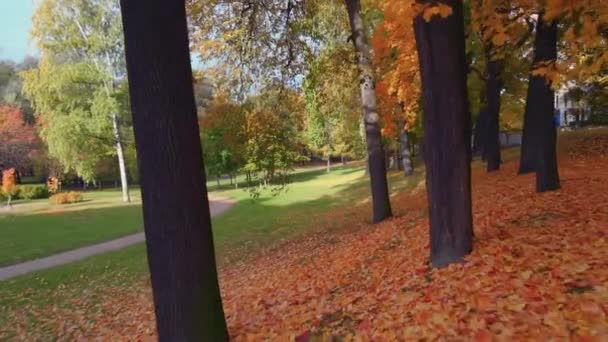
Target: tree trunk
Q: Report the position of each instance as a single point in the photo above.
(397, 164)
(398, 152)
(406, 157)
(492, 130)
(377, 166)
(328, 164)
(539, 91)
(478, 135)
(175, 205)
(480, 125)
(121, 160)
(542, 105)
(447, 137)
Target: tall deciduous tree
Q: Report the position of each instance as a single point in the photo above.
(375, 152)
(254, 44)
(76, 88)
(176, 209)
(539, 135)
(499, 31)
(447, 147)
(398, 89)
(332, 108)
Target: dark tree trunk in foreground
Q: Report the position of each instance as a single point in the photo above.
(539, 136)
(176, 209)
(375, 152)
(492, 130)
(542, 104)
(447, 137)
(406, 155)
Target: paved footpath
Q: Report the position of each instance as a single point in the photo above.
(217, 206)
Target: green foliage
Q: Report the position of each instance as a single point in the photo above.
(30, 192)
(219, 158)
(331, 92)
(79, 82)
(223, 137)
(11, 85)
(15, 194)
(273, 141)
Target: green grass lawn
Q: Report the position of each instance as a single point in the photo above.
(25, 237)
(35, 229)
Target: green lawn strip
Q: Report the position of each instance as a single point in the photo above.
(26, 237)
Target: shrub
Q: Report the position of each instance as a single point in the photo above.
(53, 185)
(66, 198)
(9, 188)
(74, 197)
(30, 192)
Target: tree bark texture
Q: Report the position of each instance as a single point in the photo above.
(176, 209)
(539, 134)
(543, 105)
(447, 137)
(540, 100)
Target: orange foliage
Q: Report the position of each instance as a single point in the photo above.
(396, 60)
(19, 142)
(66, 198)
(53, 185)
(9, 181)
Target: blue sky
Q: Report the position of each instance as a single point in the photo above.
(15, 22)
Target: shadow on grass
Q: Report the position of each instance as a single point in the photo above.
(299, 175)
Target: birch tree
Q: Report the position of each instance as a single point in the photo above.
(78, 88)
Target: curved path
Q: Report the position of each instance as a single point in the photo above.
(217, 206)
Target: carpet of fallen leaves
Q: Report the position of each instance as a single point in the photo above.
(539, 271)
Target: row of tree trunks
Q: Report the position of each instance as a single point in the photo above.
(176, 212)
(447, 142)
(538, 151)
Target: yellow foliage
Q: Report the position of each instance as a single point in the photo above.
(66, 198)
